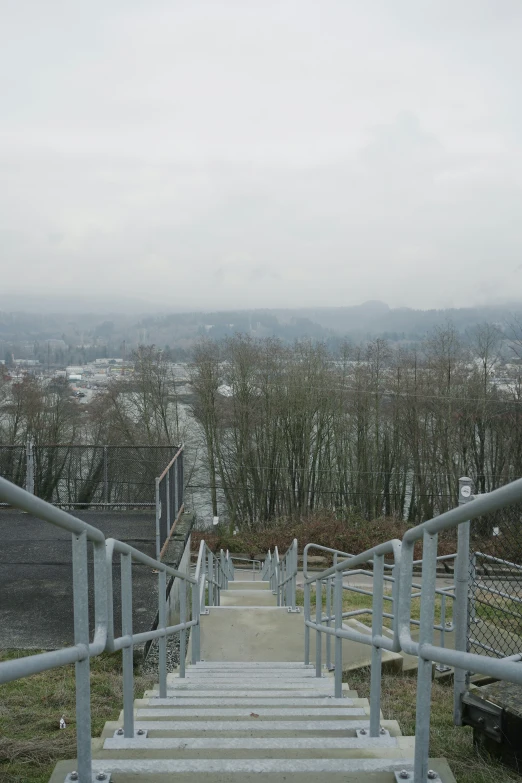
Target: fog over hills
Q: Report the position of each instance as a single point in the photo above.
(80, 330)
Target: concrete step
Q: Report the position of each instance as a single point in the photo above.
(241, 713)
(360, 772)
(249, 728)
(257, 684)
(220, 767)
(250, 665)
(227, 675)
(256, 747)
(330, 701)
(248, 694)
(340, 724)
(240, 584)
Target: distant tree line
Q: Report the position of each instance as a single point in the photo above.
(287, 430)
(135, 411)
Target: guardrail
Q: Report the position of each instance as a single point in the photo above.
(443, 627)
(212, 574)
(169, 499)
(256, 565)
(401, 640)
(104, 638)
(281, 572)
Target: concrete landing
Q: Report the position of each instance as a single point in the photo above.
(246, 598)
(249, 585)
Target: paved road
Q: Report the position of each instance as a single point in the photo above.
(36, 576)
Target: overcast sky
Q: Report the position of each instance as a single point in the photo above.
(223, 154)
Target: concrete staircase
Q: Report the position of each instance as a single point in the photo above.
(252, 716)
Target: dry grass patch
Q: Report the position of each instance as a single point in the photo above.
(31, 741)
(455, 743)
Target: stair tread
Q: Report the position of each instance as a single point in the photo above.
(308, 775)
(259, 743)
(330, 701)
(244, 712)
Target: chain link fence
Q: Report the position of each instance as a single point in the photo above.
(13, 464)
(85, 476)
(495, 583)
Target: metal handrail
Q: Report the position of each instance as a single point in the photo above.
(213, 572)
(281, 572)
(505, 668)
(103, 637)
(252, 560)
(377, 640)
(171, 483)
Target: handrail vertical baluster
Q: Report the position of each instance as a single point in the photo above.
(82, 667)
(128, 651)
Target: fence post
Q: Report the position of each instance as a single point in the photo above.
(105, 474)
(29, 475)
(460, 619)
(158, 518)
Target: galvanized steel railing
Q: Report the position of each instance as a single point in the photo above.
(256, 565)
(83, 649)
(281, 572)
(169, 499)
(334, 614)
(402, 593)
(443, 627)
(210, 570)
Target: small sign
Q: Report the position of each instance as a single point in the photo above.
(465, 491)
(496, 531)
(215, 520)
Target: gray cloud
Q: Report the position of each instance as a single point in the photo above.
(221, 153)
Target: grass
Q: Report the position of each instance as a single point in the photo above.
(31, 741)
(455, 743)
(355, 601)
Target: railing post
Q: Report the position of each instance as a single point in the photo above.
(183, 632)
(162, 641)
(167, 503)
(203, 580)
(29, 472)
(180, 478)
(472, 591)
(210, 578)
(376, 667)
(328, 623)
(195, 632)
(443, 621)
(128, 652)
(83, 674)
(425, 670)
(318, 620)
(158, 517)
(307, 619)
(460, 606)
(338, 612)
